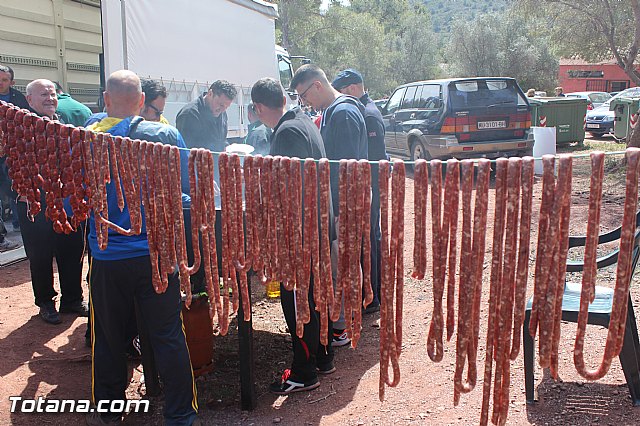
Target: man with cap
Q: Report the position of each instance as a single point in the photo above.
(345, 137)
(349, 82)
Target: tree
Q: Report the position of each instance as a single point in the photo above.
(415, 48)
(351, 40)
(389, 41)
(501, 44)
(296, 18)
(593, 29)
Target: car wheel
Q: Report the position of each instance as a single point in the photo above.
(419, 152)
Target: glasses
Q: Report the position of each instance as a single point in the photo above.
(302, 95)
(156, 110)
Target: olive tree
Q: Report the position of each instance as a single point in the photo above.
(501, 44)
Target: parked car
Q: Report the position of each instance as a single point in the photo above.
(594, 99)
(458, 118)
(599, 121)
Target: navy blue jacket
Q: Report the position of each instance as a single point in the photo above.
(345, 137)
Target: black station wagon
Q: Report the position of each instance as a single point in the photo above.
(458, 118)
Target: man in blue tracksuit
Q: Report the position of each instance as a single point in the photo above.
(121, 275)
(344, 134)
(350, 82)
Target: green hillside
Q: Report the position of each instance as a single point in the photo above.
(444, 12)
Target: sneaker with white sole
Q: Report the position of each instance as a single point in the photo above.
(7, 245)
(326, 368)
(340, 338)
(290, 385)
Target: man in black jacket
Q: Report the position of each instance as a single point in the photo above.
(8, 93)
(350, 82)
(42, 244)
(203, 122)
(294, 135)
(13, 96)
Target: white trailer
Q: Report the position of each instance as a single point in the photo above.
(188, 44)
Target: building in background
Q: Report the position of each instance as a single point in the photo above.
(578, 75)
(60, 40)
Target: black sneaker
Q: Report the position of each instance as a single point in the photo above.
(288, 385)
(326, 368)
(372, 307)
(79, 308)
(49, 314)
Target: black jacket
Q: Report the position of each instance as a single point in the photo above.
(200, 129)
(18, 98)
(297, 136)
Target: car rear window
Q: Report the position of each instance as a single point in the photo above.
(484, 93)
(599, 97)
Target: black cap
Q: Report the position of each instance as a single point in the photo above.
(346, 78)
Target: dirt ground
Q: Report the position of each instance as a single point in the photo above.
(51, 361)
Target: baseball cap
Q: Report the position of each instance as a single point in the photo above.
(346, 78)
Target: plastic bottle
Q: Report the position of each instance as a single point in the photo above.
(273, 289)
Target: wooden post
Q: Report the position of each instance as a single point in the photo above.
(248, 399)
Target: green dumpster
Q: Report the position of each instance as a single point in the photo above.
(565, 114)
(626, 115)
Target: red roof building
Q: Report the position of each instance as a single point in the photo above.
(577, 75)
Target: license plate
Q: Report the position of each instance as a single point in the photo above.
(498, 124)
(593, 126)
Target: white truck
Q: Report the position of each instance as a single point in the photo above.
(189, 44)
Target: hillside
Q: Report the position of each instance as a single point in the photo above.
(444, 12)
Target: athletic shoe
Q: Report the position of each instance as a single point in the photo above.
(340, 338)
(7, 245)
(288, 385)
(79, 308)
(49, 314)
(326, 368)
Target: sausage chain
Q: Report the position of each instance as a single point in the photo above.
(617, 323)
(494, 291)
(436, 327)
(325, 282)
(450, 231)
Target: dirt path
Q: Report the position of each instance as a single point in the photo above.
(52, 361)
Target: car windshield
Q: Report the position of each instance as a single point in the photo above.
(484, 93)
